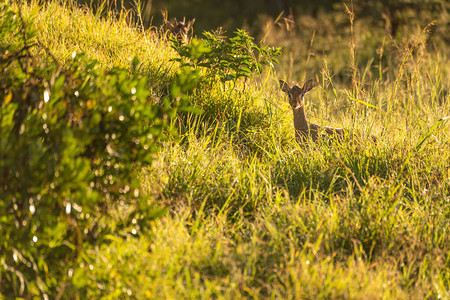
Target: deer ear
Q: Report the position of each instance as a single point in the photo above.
(284, 86)
(308, 86)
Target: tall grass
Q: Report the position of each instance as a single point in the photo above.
(254, 215)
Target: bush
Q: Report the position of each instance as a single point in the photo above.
(226, 59)
(71, 139)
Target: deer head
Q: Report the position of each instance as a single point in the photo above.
(296, 93)
(182, 30)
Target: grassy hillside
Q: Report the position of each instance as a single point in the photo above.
(249, 212)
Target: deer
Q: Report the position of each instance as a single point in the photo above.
(182, 30)
(304, 130)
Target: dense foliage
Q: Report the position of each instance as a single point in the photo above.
(226, 58)
(71, 140)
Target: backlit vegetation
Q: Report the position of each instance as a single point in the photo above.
(136, 167)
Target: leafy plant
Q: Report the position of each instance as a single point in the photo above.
(226, 58)
(71, 140)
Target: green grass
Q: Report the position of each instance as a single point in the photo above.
(253, 215)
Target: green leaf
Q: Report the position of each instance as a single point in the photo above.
(134, 64)
(79, 279)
